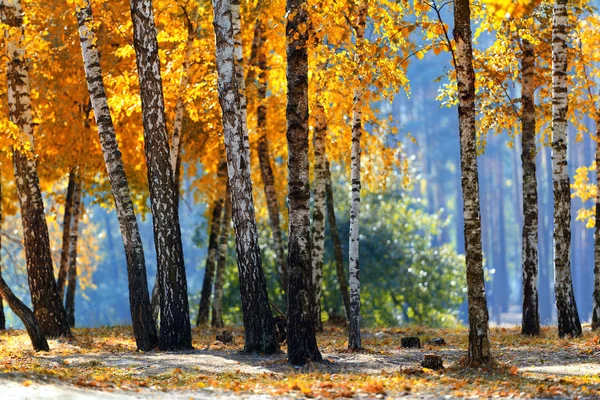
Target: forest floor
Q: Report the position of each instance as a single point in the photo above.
(102, 363)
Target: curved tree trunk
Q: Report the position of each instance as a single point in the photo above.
(596, 293)
(479, 345)
(354, 339)
(264, 157)
(337, 244)
(531, 317)
(259, 328)
(217, 306)
(175, 328)
(63, 269)
(47, 306)
(302, 341)
(74, 235)
(568, 318)
(139, 301)
(319, 207)
(211, 260)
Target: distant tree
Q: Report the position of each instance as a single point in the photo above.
(217, 306)
(479, 345)
(73, 239)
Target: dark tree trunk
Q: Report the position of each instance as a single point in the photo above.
(264, 157)
(531, 317)
(175, 328)
(2, 316)
(479, 345)
(211, 259)
(217, 306)
(596, 293)
(74, 235)
(139, 301)
(63, 269)
(302, 341)
(568, 318)
(38, 340)
(259, 328)
(337, 244)
(47, 306)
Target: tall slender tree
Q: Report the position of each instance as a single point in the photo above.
(354, 339)
(319, 208)
(531, 317)
(596, 293)
(217, 306)
(479, 344)
(63, 268)
(73, 239)
(175, 328)
(2, 315)
(47, 306)
(259, 328)
(568, 318)
(139, 302)
(302, 341)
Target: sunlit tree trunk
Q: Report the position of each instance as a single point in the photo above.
(139, 301)
(302, 341)
(238, 54)
(354, 339)
(479, 345)
(568, 318)
(211, 260)
(259, 328)
(175, 328)
(531, 317)
(217, 306)
(319, 208)
(264, 157)
(2, 316)
(47, 306)
(337, 244)
(596, 293)
(73, 237)
(63, 269)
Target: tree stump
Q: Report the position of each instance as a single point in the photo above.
(437, 341)
(411, 342)
(432, 361)
(225, 337)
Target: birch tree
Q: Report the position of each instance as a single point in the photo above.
(73, 239)
(47, 306)
(139, 301)
(302, 341)
(479, 345)
(531, 317)
(217, 306)
(596, 292)
(354, 339)
(259, 328)
(63, 268)
(568, 318)
(175, 328)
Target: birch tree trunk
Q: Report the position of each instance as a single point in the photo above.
(211, 260)
(264, 157)
(479, 345)
(63, 269)
(531, 317)
(74, 235)
(2, 316)
(596, 293)
(302, 341)
(259, 328)
(354, 339)
(175, 328)
(238, 54)
(337, 244)
(37, 337)
(217, 306)
(319, 207)
(47, 306)
(139, 302)
(568, 318)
